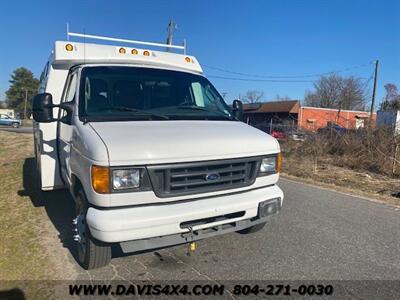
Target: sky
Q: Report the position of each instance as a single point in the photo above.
(270, 39)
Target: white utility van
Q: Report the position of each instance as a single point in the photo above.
(149, 150)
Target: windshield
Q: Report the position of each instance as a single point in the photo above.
(134, 93)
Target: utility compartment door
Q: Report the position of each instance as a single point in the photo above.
(66, 128)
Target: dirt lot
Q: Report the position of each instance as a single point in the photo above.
(367, 184)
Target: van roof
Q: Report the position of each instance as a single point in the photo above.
(67, 54)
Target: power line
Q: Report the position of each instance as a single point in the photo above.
(288, 76)
(256, 80)
(266, 80)
(367, 81)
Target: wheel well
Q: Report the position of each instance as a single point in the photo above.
(76, 185)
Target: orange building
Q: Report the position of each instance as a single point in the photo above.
(313, 118)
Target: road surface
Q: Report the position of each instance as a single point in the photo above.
(17, 130)
(320, 234)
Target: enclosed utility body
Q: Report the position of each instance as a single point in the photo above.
(149, 150)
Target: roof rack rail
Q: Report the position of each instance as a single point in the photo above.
(104, 38)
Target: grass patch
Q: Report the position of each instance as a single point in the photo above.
(21, 254)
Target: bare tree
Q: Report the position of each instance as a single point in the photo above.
(334, 91)
(392, 98)
(280, 98)
(253, 96)
(311, 99)
(352, 94)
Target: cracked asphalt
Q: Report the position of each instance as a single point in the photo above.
(319, 234)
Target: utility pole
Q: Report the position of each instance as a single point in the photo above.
(170, 29)
(26, 100)
(374, 90)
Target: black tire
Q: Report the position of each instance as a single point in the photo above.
(14, 125)
(92, 254)
(252, 229)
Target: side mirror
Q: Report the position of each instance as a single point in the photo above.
(237, 109)
(42, 108)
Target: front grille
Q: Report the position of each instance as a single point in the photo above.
(202, 177)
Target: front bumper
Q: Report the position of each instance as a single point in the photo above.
(159, 220)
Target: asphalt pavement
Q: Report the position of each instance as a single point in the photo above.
(17, 130)
(319, 234)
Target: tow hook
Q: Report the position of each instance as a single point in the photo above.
(192, 244)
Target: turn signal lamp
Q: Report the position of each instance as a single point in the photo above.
(101, 179)
(122, 50)
(146, 53)
(279, 162)
(69, 47)
(134, 51)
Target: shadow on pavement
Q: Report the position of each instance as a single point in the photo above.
(59, 208)
(58, 204)
(12, 294)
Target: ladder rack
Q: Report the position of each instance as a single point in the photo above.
(105, 38)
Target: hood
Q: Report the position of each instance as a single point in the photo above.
(155, 142)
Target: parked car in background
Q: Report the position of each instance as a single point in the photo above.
(297, 135)
(8, 121)
(279, 135)
(276, 131)
(332, 127)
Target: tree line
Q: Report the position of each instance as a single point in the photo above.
(338, 92)
(23, 86)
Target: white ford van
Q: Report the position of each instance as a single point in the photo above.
(149, 150)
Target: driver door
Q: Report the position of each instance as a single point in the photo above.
(65, 129)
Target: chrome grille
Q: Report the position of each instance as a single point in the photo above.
(201, 177)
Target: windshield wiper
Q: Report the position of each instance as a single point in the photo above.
(123, 108)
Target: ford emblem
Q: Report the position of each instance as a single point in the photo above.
(213, 177)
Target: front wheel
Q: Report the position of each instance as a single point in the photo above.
(15, 125)
(252, 229)
(92, 253)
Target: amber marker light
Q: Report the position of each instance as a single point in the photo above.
(134, 51)
(101, 179)
(279, 162)
(69, 47)
(146, 53)
(187, 59)
(122, 50)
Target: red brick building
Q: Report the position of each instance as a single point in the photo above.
(278, 111)
(290, 114)
(313, 118)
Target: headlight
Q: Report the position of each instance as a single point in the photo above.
(268, 164)
(271, 164)
(126, 179)
(107, 180)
